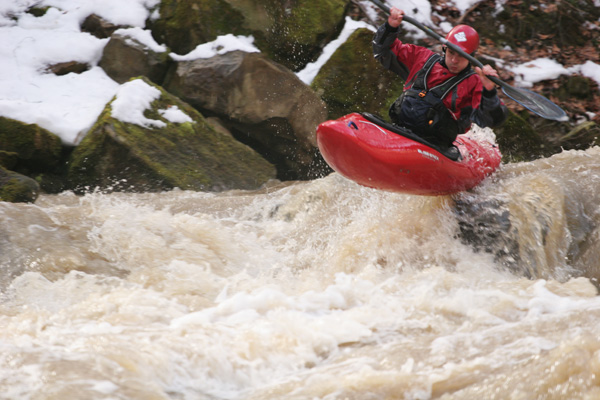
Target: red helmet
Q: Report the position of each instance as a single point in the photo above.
(464, 37)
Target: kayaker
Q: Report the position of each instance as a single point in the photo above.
(442, 94)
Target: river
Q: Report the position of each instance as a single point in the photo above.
(308, 290)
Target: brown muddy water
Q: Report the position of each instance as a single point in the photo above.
(310, 290)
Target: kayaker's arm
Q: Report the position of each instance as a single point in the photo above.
(384, 38)
(485, 73)
(491, 112)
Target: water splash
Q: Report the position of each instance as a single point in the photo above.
(320, 289)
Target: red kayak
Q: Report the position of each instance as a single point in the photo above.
(376, 154)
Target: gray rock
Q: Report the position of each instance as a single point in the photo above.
(263, 103)
(99, 27)
(125, 57)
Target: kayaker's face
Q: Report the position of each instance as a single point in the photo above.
(455, 62)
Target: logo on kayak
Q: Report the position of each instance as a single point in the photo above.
(460, 37)
(428, 155)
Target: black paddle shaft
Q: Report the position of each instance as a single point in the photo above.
(532, 101)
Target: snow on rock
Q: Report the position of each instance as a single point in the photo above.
(223, 44)
(133, 98)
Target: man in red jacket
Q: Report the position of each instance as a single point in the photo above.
(442, 93)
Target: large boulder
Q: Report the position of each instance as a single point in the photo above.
(36, 148)
(17, 188)
(352, 80)
(292, 33)
(126, 56)
(159, 145)
(34, 152)
(263, 103)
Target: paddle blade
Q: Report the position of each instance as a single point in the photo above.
(535, 103)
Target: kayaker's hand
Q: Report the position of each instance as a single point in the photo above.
(487, 70)
(395, 18)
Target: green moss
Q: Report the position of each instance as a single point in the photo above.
(184, 24)
(38, 11)
(17, 188)
(14, 192)
(301, 28)
(307, 21)
(291, 33)
(36, 147)
(352, 80)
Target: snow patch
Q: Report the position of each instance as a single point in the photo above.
(143, 36)
(222, 45)
(312, 69)
(133, 98)
(175, 115)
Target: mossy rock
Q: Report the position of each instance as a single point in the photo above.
(300, 30)
(17, 188)
(291, 33)
(184, 24)
(352, 80)
(116, 155)
(518, 141)
(8, 159)
(37, 149)
(38, 11)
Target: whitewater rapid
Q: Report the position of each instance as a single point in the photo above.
(308, 290)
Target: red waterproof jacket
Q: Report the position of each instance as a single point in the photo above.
(468, 102)
(467, 92)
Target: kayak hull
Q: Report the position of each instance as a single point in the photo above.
(371, 155)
